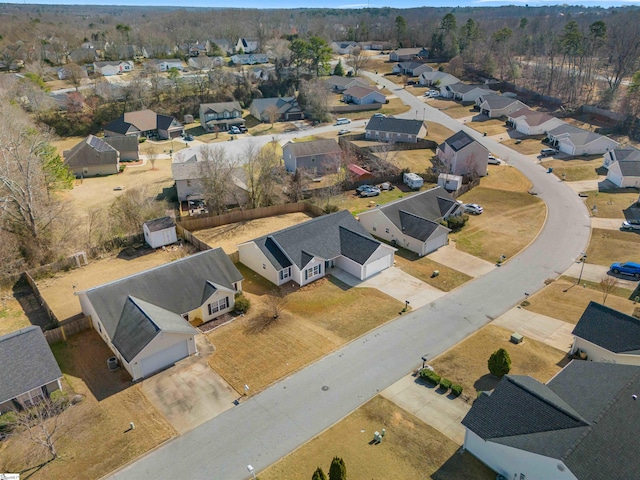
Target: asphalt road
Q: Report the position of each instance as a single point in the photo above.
(291, 412)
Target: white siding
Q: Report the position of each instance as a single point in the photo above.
(380, 260)
(164, 344)
(614, 175)
(185, 188)
(438, 239)
(598, 354)
(160, 238)
(349, 266)
(514, 463)
(251, 256)
(303, 280)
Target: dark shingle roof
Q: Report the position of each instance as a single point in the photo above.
(395, 125)
(221, 107)
(630, 168)
(160, 224)
(175, 287)
(360, 91)
(585, 417)
(465, 87)
(534, 118)
(123, 143)
(609, 328)
(326, 146)
(459, 140)
(88, 152)
(577, 135)
(627, 153)
(26, 362)
(328, 236)
(496, 101)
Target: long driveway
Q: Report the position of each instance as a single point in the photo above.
(294, 410)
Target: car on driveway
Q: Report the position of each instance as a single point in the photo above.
(548, 152)
(473, 208)
(627, 268)
(630, 225)
(234, 130)
(370, 192)
(343, 131)
(188, 137)
(493, 160)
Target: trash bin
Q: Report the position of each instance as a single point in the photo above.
(550, 170)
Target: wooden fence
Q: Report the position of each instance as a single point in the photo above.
(61, 334)
(41, 300)
(355, 108)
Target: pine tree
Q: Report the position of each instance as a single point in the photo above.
(338, 470)
(319, 474)
(499, 363)
(339, 70)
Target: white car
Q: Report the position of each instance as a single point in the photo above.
(473, 208)
(493, 160)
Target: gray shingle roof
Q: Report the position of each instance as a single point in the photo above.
(221, 107)
(534, 118)
(627, 153)
(585, 416)
(90, 152)
(496, 101)
(160, 224)
(609, 328)
(630, 168)
(459, 140)
(176, 287)
(123, 143)
(577, 135)
(26, 362)
(394, 125)
(360, 92)
(284, 104)
(336, 80)
(314, 147)
(328, 236)
(465, 87)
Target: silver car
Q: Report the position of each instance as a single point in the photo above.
(630, 225)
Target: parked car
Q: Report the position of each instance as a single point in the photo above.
(493, 160)
(628, 268)
(363, 187)
(343, 131)
(243, 129)
(370, 192)
(375, 115)
(234, 130)
(547, 152)
(342, 121)
(473, 208)
(630, 225)
(434, 93)
(188, 137)
(386, 186)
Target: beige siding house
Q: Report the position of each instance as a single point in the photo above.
(92, 157)
(462, 155)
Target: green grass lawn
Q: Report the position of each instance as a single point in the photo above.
(608, 246)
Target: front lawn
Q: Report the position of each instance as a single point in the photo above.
(575, 170)
(491, 126)
(609, 246)
(526, 146)
(437, 132)
(612, 204)
(423, 268)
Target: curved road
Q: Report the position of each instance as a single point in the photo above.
(286, 415)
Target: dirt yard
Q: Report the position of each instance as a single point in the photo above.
(302, 334)
(466, 363)
(95, 438)
(411, 449)
(609, 246)
(229, 236)
(58, 291)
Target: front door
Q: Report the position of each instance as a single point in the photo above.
(329, 264)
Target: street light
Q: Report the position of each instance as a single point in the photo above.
(583, 259)
(252, 471)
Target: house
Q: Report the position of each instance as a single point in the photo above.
(317, 156)
(576, 141)
(413, 222)
(205, 63)
(623, 166)
(247, 45)
(404, 54)
(339, 84)
(629, 154)
(108, 69)
(81, 56)
(395, 130)
(417, 71)
(437, 79)
(197, 49)
(146, 319)
(531, 122)
(494, 106)
(187, 173)
(128, 147)
(581, 425)
(357, 173)
(363, 95)
(607, 335)
(164, 65)
(65, 73)
(224, 45)
(221, 115)
(160, 232)
(462, 155)
(411, 68)
(92, 157)
(376, 45)
(344, 48)
(28, 370)
(310, 250)
(145, 123)
(284, 109)
(249, 58)
(465, 92)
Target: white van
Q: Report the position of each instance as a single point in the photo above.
(342, 121)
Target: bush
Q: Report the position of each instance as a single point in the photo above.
(499, 363)
(456, 389)
(142, 139)
(456, 223)
(7, 422)
(445, 383)
(242, 304)
(430, 376)
(60, 398)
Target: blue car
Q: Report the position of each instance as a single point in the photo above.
(628, 268)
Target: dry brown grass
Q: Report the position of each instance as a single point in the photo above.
(302, 334)
(566, 301)
(95, 439)
(12, 317)
(575, 170)
(414, 160)
(437, 132)
(609, 246)
(66, 143)
(466, 363)
(452, 108)
(394, 107)
(611, 204)
(507, 178)
(423, 267)
(411, 449)
(491, 127)
(526, 146)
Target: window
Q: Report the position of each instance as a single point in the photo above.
(218, 305)
(386, 230)
(286, 273)
(375, 226)
(312, 272)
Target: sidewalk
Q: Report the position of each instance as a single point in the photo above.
(451, 257)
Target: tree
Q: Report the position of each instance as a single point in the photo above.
(215, 169)
(401, 28)
(358, 60)
(339, 69)
(632, 98)
(338, 470)
(499, 363)
(319, 474)
(319, 54)
(314, 99)
(43, 423)
(264, 176)
(272, 112)
(607, 285)
(134, 207)
(74, 74)
(276, 301)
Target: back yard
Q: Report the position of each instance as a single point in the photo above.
(12, 317)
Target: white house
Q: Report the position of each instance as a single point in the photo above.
(249, 58)
(531, 122)
(576, 141)
(344, 48)
(413, 222)
(464, 92)
(146, 319)
(628, 154)
(624, 174)
(310, 250)
(160, 232)
(581, 425)
(462, 155)
(437, 79)
(339, 84)
(107, 69)
(164, 65)
(363, 95)
(403, 54)
(494, 106)
(247, 45)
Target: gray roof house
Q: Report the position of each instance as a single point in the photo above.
(146, 319)
(225, 45)
(29, 372)
(145, 123)
(494, 106)
(247, 45)
(465, 92)
(623, 165)
(460, 154)
(628, 154)
(222, 115)
(436, 78)
(310, 250)
(249, 58)
(316, 156)
(411, 68)
(394, 130)
(127, 146)
(581, 425)
(576, 141)
(403, 54)
(413, 222)
(337, 83)
(607, 335)
(344, 47)
(286, 109)
(363, 95)
(92, 157)
(532, 122)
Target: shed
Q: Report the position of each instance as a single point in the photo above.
(160, 232)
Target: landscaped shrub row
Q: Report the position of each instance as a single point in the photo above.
(445, 383)
(434, 379)
(456, 389)
(431, 376)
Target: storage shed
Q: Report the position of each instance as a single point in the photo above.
(160, 232)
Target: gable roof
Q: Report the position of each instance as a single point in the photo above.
(328, 236)
(463, 88)
(26, 362)
(220, 107)
(578, 136)
(408, 51)
(314, 147)
(395, 125)
(630, 154)
(493, 100)
(337, 80)
(175, 287)
(360, 92)
(585, 417)
(88, 152)
(533, 117)
(459, 140)
(629, 168)
(609, 329)
(123, 143)
(436, 75)
(284, 104)
(141, 120)
(160, 224)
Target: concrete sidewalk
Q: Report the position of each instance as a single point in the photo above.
(429, 405)
(551, 331)
(606, 223)
(451, 257)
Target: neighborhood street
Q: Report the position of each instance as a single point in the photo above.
(286, 415)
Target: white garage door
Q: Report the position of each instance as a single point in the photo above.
(377, 266)
(164, 359)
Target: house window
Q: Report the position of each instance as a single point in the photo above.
(386, 230)
(286, 273)
(219, 305)
(264, 267)
(312, 272)
(188, 183)
(374, 227)
(185, 316)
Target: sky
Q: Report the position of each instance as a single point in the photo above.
(336, 3)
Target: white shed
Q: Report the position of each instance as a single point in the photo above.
(160, 232)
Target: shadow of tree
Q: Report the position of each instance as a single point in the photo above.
(485, 383)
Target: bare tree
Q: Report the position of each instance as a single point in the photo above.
(153, 152)
(358, 60)
(216, 179)
(297, 184)
(74, 74)
(384, 161)
(43, 423)
(314, 98)
(265, 176)
(607, 285)
(276, 301)
(272, 113)
(134, 207)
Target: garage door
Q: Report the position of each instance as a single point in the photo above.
(164, 359)
(377, 266)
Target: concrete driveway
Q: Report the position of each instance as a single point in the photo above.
(397, 284)
(591, 185)
(451, 257)
(594, 273)
(551, 331)
(606, 223)
(190, 393)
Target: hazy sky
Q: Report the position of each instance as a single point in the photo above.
(336, 3)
